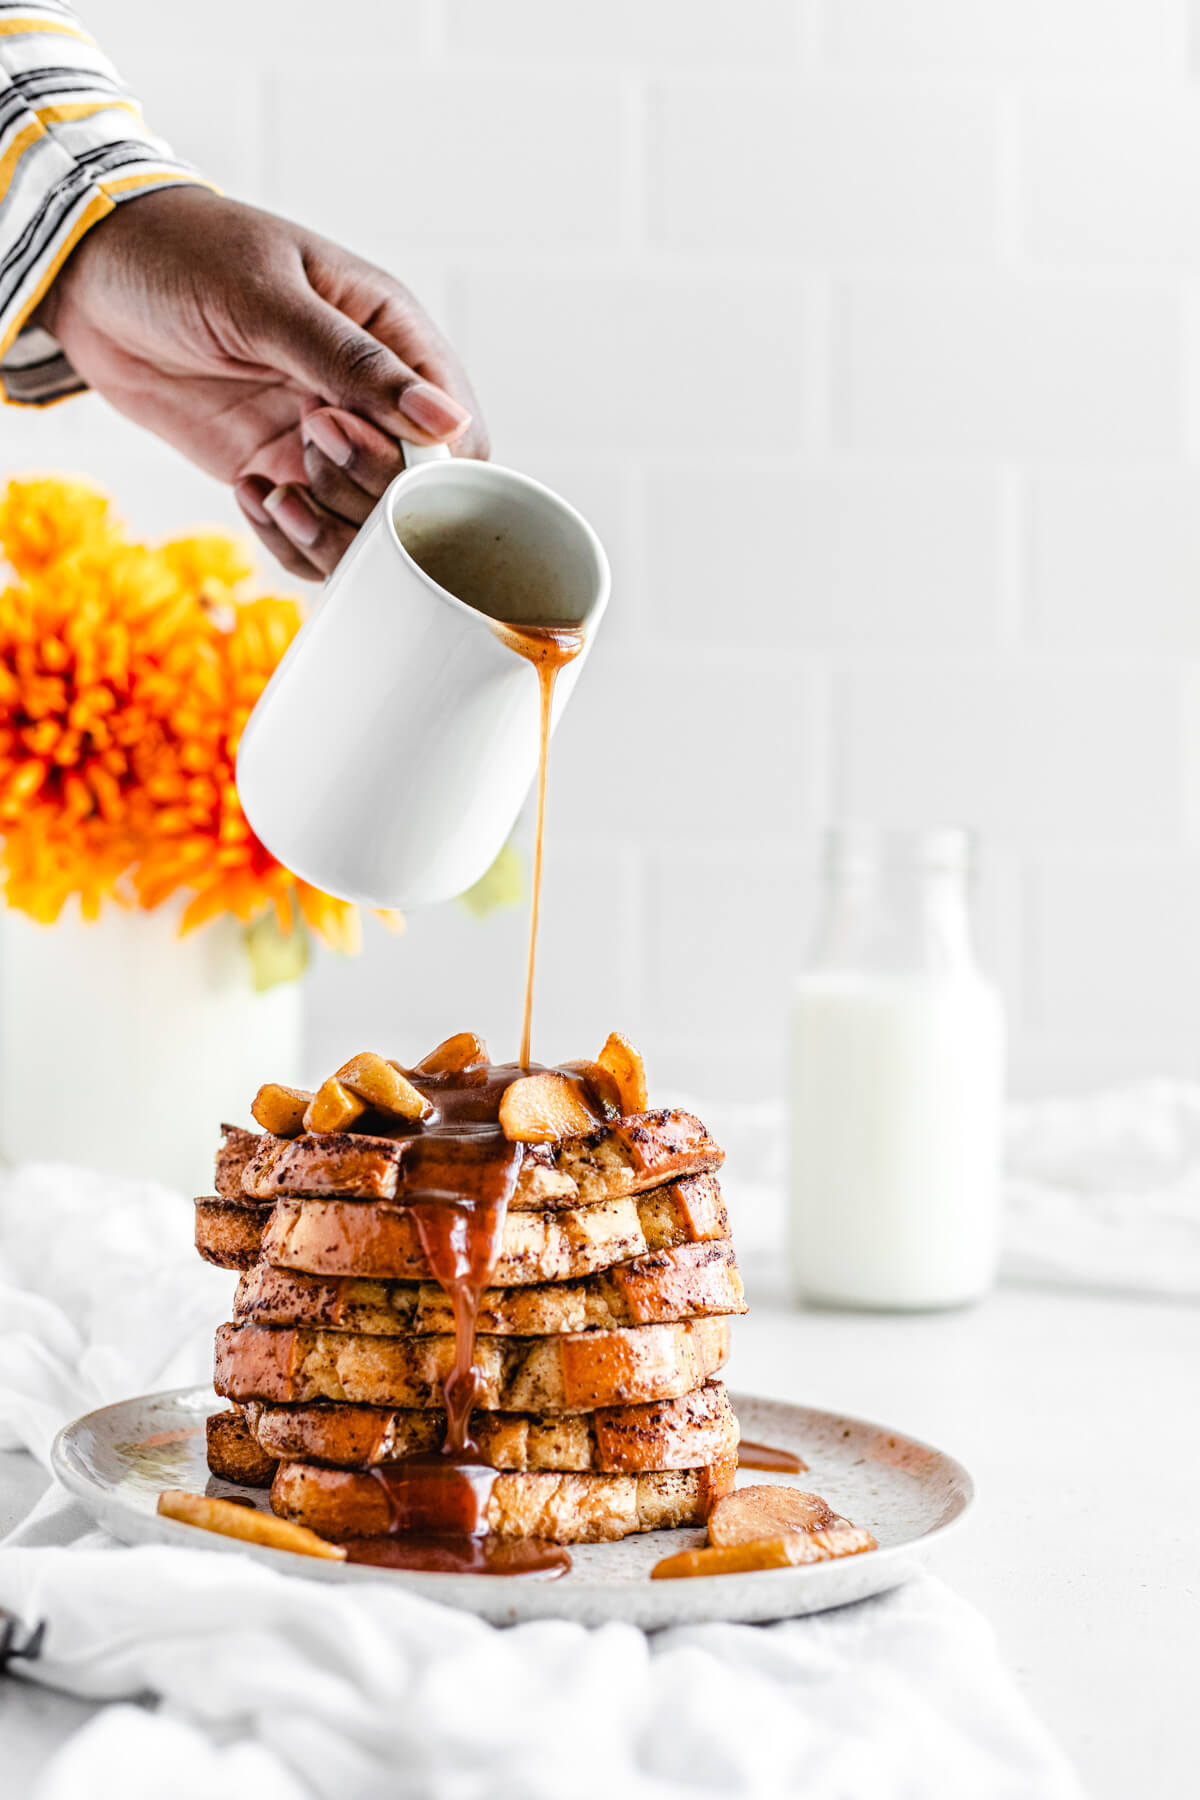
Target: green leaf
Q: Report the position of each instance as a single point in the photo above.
(275, 955)
(503, 885)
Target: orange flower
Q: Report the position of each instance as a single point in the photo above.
(127, 674)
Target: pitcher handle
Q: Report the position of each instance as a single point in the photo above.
(421, 453)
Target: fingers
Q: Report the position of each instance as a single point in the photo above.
(401, 322)
(310, 530)
(348, 463)
(330, 355)
(250, 493)
(300, 534)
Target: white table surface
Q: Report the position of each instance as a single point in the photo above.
(1077, 1414)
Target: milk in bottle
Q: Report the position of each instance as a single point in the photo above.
(896, 1083)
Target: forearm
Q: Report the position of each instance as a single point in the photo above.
(73, 145)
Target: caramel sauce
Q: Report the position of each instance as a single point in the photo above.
(459, 1174)
(436, 1554)
(549, 648)
(446, 1495)
(769, 1457)
(170, 1437)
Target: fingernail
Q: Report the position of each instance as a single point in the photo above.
(434, 411)
(251, 498)
(330, 439)
(293, 515)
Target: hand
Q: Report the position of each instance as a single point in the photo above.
(261, 351)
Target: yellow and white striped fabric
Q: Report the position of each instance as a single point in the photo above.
(73, 145)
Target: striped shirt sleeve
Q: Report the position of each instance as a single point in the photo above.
(73, 146)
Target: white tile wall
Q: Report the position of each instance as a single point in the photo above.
(1112, 177)
(1027, 38)
(454, 158)
(1036, 754)
(868, 335)
(855, 171)
(852, 560)
(1114, 561)
(1007, 367)
(675, 360)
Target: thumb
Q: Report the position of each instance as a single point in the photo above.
(340, 362)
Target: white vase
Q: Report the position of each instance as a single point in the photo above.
(125, 1047)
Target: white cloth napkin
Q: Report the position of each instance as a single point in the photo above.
(366, 1691)
(293, 1689)
(101, 1296)
(1102, 1191)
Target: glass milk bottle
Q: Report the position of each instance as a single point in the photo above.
(897, 1078)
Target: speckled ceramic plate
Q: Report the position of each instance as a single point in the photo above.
(117, 1459)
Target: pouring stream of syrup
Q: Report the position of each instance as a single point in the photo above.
(460, 1174)
(549, 648)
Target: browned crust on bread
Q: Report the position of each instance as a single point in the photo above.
(639, 1153)
(381, 1241)
(237, 1147)
(682, 1433)
(355, 1166)
(358, 1167)
(235, 1454)
(558, 1508)
(688, 1281)
(229, 1234)
(613, 1163)
(574, 1373)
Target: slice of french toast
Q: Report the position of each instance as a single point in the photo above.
(234, 1453)
(558, 1508)
(229, 1234)
(381, 1241)
(573, 1373)
(688, 1281)
(639, 1152)
(695, 1428)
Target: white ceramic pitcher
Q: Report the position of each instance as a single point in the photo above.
(390, 753)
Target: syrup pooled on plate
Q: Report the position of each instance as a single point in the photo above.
(435, 1554)
(769, 1457)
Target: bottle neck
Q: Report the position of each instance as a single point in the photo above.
(895, 921)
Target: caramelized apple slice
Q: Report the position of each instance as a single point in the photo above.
(382, 1085)
(280, 1110)
(543, 1109)
(628, 1071)
(736, 1559)
(767, 1511)
(333, 1108)
(789, 1550)
(246, 1523)
(465, 1050)
(602, 1083)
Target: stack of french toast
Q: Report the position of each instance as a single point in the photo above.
(598, 1327)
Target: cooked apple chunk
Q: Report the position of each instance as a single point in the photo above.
(333, 1108)
(628, 1071)
(544, 1109)
(605, 1091)
(465, 1050)
(280, 1110)
(790, 1550)
(382, 1085)
(764, 1511)
(767, 1527)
